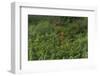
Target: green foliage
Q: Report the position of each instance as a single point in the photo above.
(57, 37)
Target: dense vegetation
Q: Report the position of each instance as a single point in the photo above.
(57, 37)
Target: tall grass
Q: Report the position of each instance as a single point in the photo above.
(57, 37)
